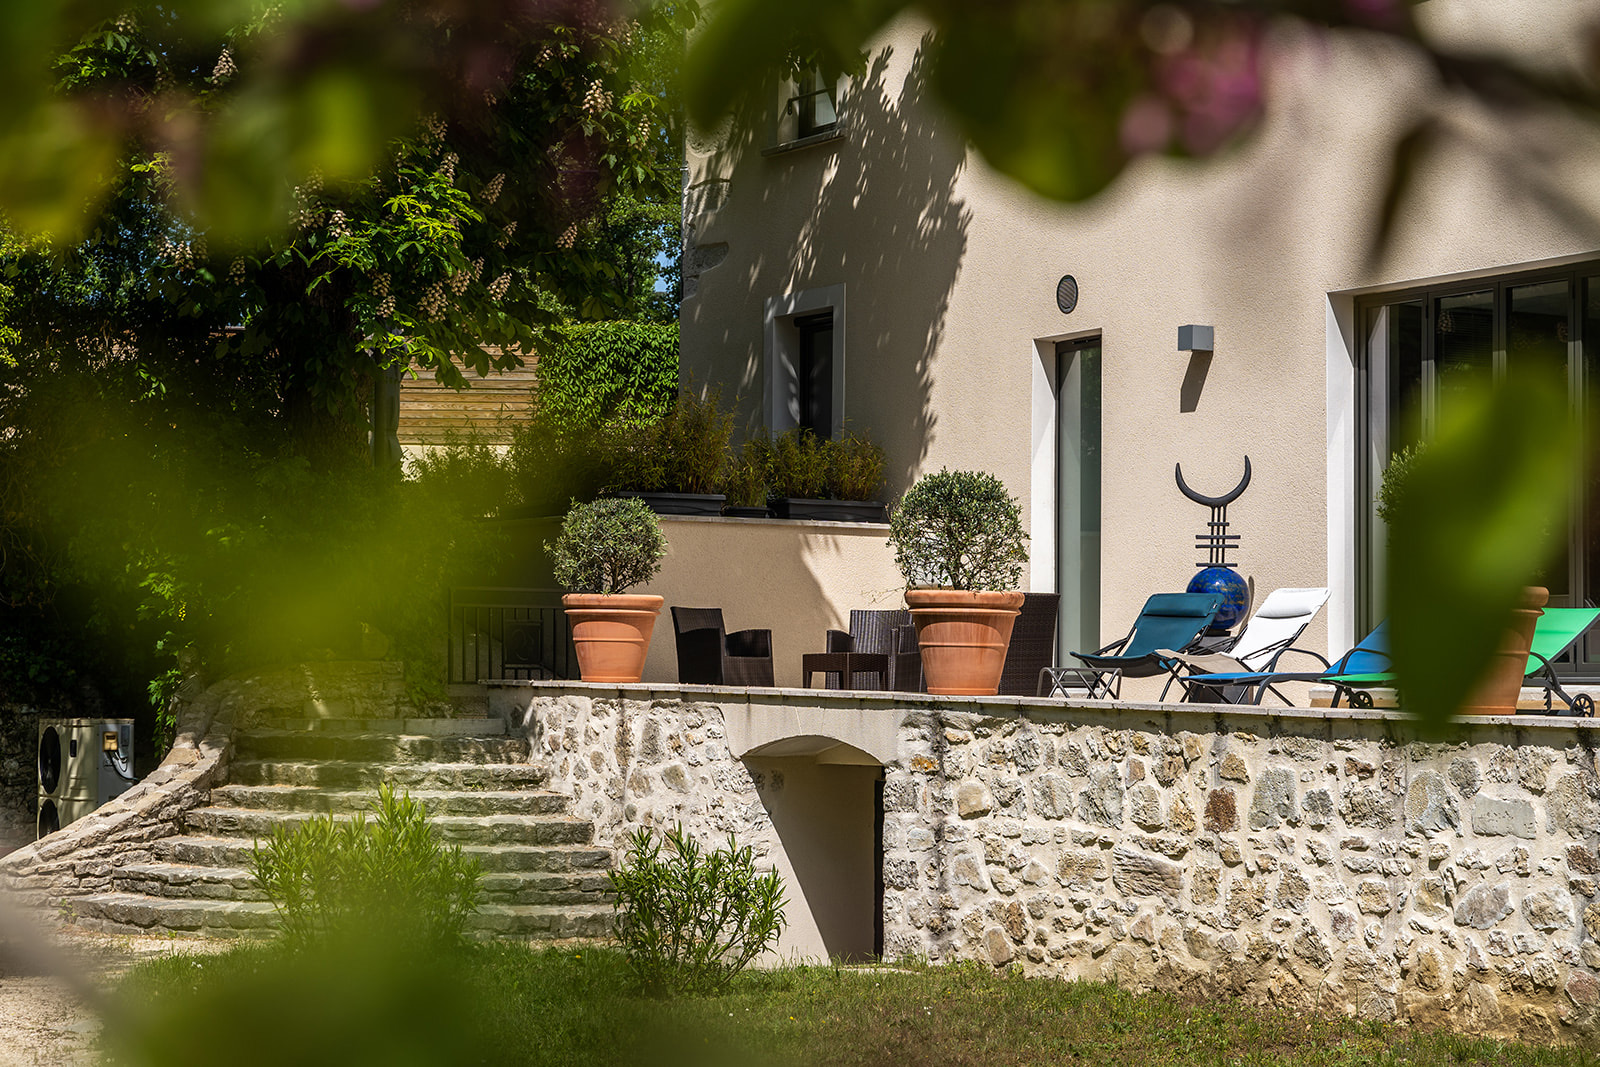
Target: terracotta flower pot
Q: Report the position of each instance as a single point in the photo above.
(611, 633)
(963, 635)
(1497, 693)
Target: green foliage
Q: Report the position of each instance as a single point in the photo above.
(356, 1001)
(745, 483)
(684, 451)
(959, 530)
(607, 546)
(856, 471)
(1395, 476)
(257, 100)
(390, 876)
(504, 1004)
(687, 920)
(800, 465)
(1476, 523)
(595, 372)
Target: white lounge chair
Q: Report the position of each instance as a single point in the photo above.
(1282, 617)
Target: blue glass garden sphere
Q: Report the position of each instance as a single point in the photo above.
(1226, 583)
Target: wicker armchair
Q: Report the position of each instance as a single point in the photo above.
(709, 655)
(889, 633)
(1033, 645)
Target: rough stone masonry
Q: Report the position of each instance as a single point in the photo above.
(1306, 859)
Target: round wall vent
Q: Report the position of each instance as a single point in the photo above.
(1067, 294)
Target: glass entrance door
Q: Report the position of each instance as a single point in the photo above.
(1078, 496)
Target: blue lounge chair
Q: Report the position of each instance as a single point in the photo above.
(1362, 665)
(1167, 621)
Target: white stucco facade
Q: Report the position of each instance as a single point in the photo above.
(950, 273)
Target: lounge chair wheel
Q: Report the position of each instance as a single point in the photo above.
(1360, 699)
(1583, 706)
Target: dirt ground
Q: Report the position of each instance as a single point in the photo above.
(46, 1018)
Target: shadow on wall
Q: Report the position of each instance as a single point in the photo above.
(825, 817)
(875, 211)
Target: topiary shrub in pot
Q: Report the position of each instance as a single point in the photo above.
(606, 547)
(959, 543)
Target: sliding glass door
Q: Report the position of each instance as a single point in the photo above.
(1423, 348)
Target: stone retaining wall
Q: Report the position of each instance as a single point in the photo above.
(1304, 859)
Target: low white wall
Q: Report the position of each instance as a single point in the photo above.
(797, 579)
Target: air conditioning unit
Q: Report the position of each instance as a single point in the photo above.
(82, 764)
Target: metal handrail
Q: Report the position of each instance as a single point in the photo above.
(508, 633)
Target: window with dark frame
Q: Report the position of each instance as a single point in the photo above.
(816, 105)
(1418, 350)
(814, 372)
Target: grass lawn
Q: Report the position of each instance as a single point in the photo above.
(505, 1004)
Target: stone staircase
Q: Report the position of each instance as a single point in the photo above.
(542, 877)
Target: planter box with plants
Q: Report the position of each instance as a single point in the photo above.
(958, 540)
(606, 547)
(674, 464)
(809, 478)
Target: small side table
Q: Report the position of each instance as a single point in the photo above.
(846, 665)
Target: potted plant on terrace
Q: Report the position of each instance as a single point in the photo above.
(958, 540)
(832, 481)
(606, 547)
(675, 464)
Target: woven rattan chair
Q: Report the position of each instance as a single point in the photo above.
(709, 655)
(889, 633)
(1033, 645)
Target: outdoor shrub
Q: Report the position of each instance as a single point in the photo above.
(607, 546)
(685, 451)
(857, 468)
(390, 875)
(959, 530)
(800, 465)
(687, 920)
(745, 484)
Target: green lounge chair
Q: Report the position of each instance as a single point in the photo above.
(1555, 631)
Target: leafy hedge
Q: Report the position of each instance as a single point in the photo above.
(598, 371)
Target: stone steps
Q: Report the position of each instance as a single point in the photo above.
(378, 748)
(452, 829)
(346, 774)
(542, 877)
(204, 851)
(463, 727)
(190, 882)
(133, 913)
(312, 799)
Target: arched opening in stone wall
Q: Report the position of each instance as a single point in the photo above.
(825, 800)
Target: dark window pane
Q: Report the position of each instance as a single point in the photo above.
(816, 373)
(817, 107)
(1538, 326)
(1402, 340)
(1590, 541)
(1463, 344)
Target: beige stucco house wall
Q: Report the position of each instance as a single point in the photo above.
(946, 275)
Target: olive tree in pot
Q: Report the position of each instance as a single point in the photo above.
(606, 547)
(958, 540)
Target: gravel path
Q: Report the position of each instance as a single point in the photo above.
(43, 1021)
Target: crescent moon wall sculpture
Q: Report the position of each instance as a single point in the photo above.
(1218, 574)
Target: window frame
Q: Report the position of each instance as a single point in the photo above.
(1577, 275)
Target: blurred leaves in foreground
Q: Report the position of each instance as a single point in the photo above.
(1481, 512)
